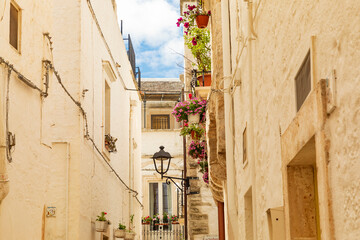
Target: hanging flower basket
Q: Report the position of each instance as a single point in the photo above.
(101, 226)
(193, 118)
(197, 149)
(183, 110)
(202, 21)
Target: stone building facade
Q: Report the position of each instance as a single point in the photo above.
(68, 88)
(288, 101)
(159, 128)
(202, 207)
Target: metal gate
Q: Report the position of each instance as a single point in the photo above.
(174, 232)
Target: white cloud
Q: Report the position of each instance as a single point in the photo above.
(152, 26)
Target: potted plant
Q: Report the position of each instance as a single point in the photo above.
(206, 177)
(101, 222)
(204, 167)
(120, 231)
(197, 40)
(194, 14)
(184, 111)
(165, 221)
(146, 220)
(197, 149)
(195, 130)
(174, 219)
(156, 221)
(110, 143)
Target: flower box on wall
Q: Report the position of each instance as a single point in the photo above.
(119, 233)
(101, 226)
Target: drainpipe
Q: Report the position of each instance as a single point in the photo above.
(252, 36)
(231, 218)
(4, 179)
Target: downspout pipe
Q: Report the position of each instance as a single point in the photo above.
(4, 178)
(231, 218)
(252, 36)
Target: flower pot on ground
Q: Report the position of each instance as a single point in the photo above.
(204, 83)
(202, 21)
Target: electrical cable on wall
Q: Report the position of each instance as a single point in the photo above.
(29, 83)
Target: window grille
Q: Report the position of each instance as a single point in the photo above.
(160, 122)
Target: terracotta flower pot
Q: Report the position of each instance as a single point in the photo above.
(119, 233)
(101, 226)
(207, 80)
(194, 135)
(202, 21)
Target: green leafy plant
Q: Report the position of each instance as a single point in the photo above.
(102, 217)
(165, 217)
(193, 129)
(196, 39)
(121, 226)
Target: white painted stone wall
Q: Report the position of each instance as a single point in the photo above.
(53, 164)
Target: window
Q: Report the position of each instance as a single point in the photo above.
(14, 26)
(244, 147)
(163, 204)
(166, 198)
(107, 108)
(154, 198)
(160, 121)
(303, 82)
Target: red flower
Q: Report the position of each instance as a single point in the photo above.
(105, 213)
(190, 95)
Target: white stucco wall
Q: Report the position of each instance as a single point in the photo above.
(284, 33)
(54, 165)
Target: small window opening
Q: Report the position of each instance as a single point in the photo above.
(160, 122)
(303, 82)
(244, 146)
(14, 26)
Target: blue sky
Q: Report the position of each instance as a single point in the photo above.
(156, 38)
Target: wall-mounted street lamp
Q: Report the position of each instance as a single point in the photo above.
(162, 162)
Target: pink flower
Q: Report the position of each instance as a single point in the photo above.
(191, 7)
(180, 19)
(178, 24)
(209, 13)
(186, 25)
(186, 32)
